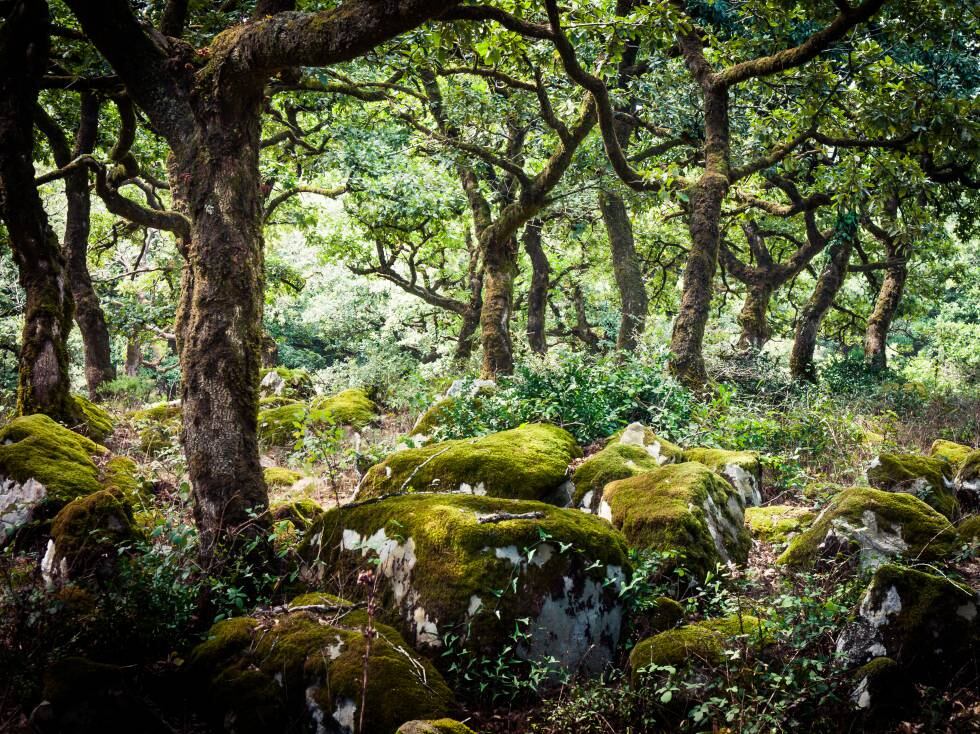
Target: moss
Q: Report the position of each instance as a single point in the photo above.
(159, 427)
(873, 525)
(294, 383)
(278, 426)
(275, 401)
(158, 412)
(666, 614)
(529, 462)
(34, 446)
(968, 477)
(446, 571)
(121, 474)
(97, 424)
(349, 408)
(438, 726)
(742, 469)
(616, 461)
(822, 491)
(301, 513)
(88, 531)
(253, 671)
(775, 523)
(954, 453)
(434, 417)
(969, 529)
(703, 641)
(929, 478)
(318, 598)
(276, 476)
(684, 507)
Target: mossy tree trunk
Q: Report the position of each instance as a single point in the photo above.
(43, 382)
(801, 365)
(886, 306)
(753, 318)
(89, 316)
(537, 297)
(210, 116)
(500, 270)
(626, 267)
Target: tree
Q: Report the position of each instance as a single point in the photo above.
(207, 103)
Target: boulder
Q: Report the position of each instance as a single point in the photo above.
(529, 462)
(284, 382)
(302, 671)
(278, 426)
(472, 570)
(441, 726)
(680, 507)
(43, 465)
(927, 624)
(777, 523)
(300, 513)
(882, 691)
(872, 526)
(704, 642)
(927, 477)
(967, 481)
(85, 538)
(969, 530)
(954, 453)
(94, 420)
(277, 477)
(159, 427)
(348, 408)
(741, 468)
(432, 418)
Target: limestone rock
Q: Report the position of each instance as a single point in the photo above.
(872, 526)
(474, 567)
(528, 462)
(928, 478)
(741, 468)
(440, 726)
(967, 481)
(302, 670)
(284, 382)
(954, 453)
(682, 507)
(777, 523)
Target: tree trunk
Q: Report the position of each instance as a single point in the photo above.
(706, 197)
(831, 279)
(500, 269)
(754, 316)
(43, 383)
(626, 267)
(134, 354)
(88, 311)
(219, 322)
(537, 298)
(880, 321)
(467, 332)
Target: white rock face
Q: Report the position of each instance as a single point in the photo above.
(17, 503)
(724, 524)
(876, 545)
(344, 715)
(272, 384)
(459, 387)
(635, 435)
(52, 573)
(746, 484)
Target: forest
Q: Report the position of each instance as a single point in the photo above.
(489, 366)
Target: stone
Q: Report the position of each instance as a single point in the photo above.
(928, 478)
(742, 469)
(472, 568)
(777, 523)
(872, 526)
(528, 462)
(685, 508)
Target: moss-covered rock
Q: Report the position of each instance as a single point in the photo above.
(277, 477)
(969, 529)
(680, 507)
(703, 641)
(529, 462)
(303, 671)
(821, 492)
(158, 412)
(927, 477)
(301, 513)
(872, 526)
(926, 623)
(741, 468)
(158, 427)
(432, 418)
(475, 567)
(43, 465)
(348, 408)
(121, 474)
(882, 690)
(85, 537)
(278, 426)
(967, 481)
(632, 451)
(284, 382)
(438, 726)
(776, 523)
(96, 423)
(954, 453)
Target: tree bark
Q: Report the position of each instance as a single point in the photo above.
(134, 354)
(880, 321)
(43, 382)
(626, 267)
(537, 298)
(753, 318)
(706, 197)
(831, 279)
(91, 321)
(500, 270)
